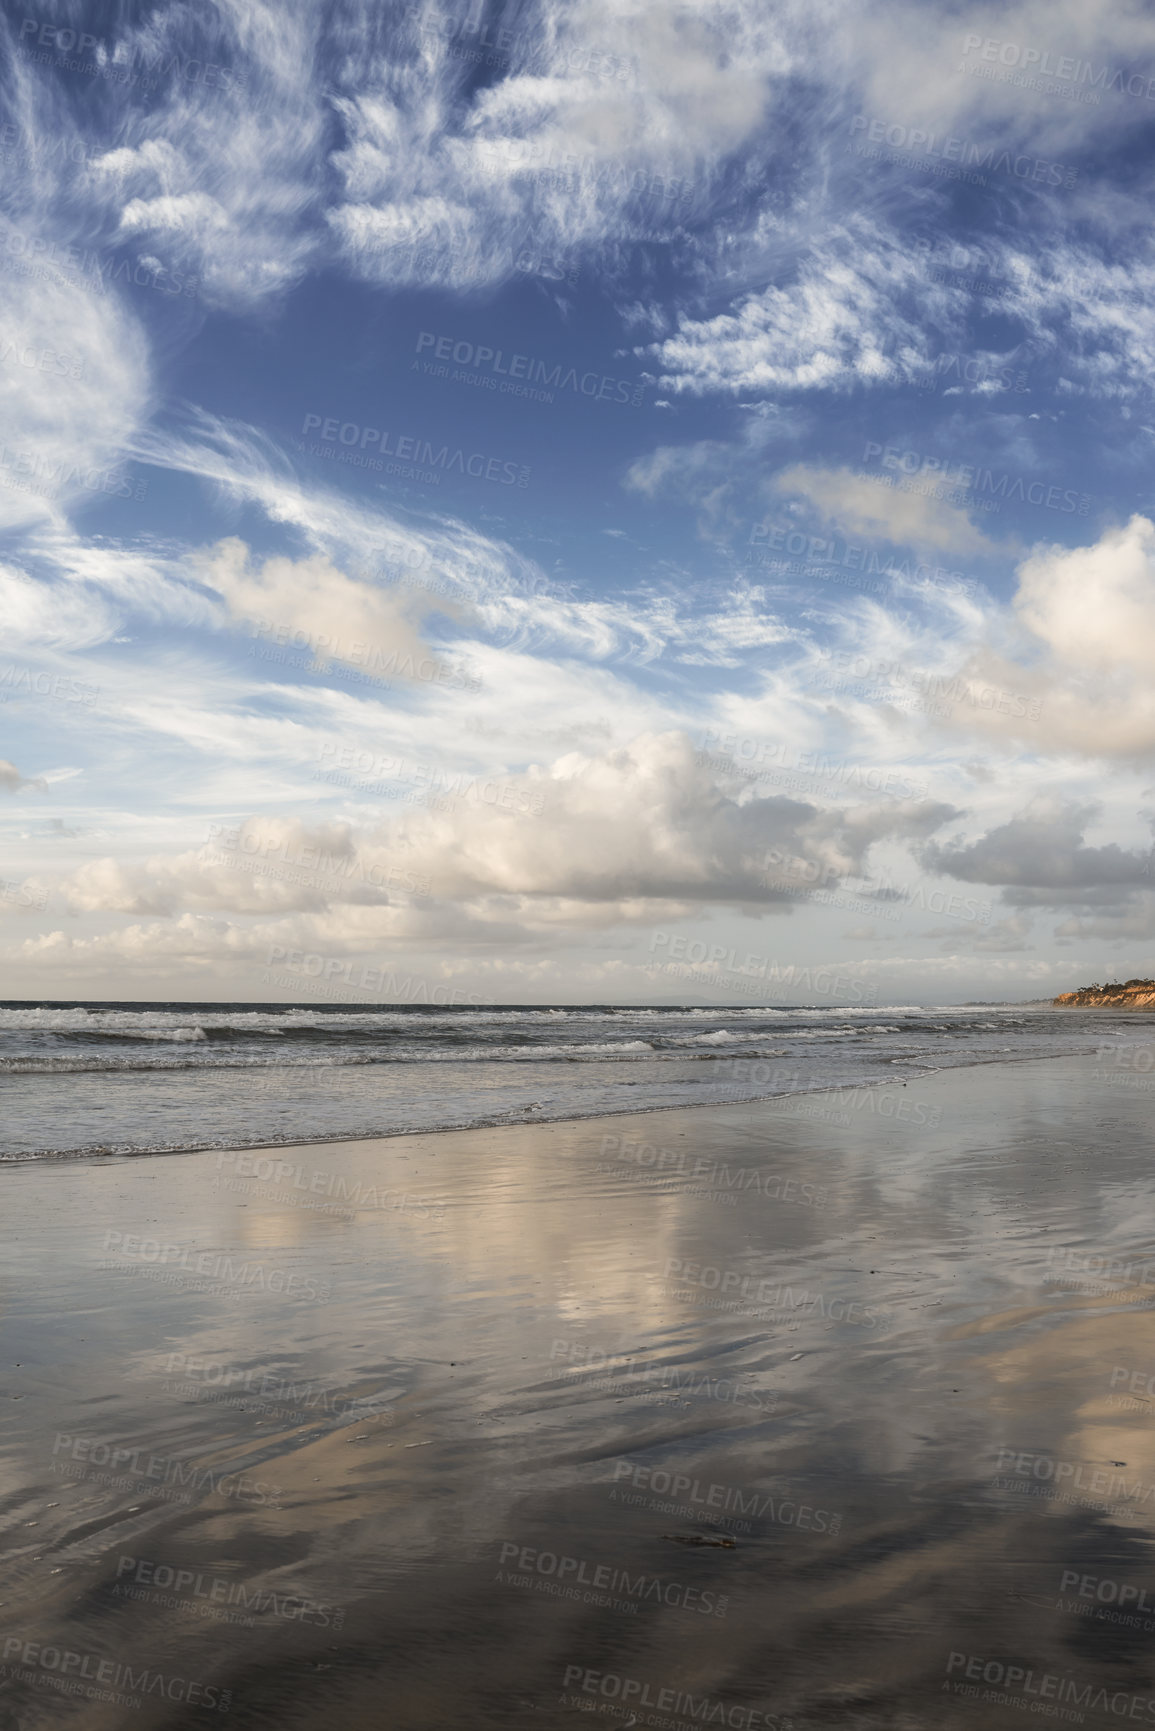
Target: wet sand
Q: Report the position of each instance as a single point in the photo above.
(734, 1417)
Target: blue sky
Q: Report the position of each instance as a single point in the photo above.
(577, 503)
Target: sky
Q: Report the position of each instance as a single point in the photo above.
(623, 502)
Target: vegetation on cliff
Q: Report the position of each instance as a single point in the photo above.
(1133, 994)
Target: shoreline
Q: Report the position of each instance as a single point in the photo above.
(39, 1156)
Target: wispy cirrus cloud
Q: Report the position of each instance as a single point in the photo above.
(857, 310)
(77, 383)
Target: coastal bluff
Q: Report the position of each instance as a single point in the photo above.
(1134, 995)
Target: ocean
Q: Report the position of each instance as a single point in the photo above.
(100, 1078)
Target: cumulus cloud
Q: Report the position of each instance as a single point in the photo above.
(630, 835)
(860, 505)
(649, 821)
(1094, 607)
(1041, 857)
(263, 866)
(311, 602)
(1075, 674)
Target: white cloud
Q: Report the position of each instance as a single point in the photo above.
(916, 67)
(682, 467)
(860, 505)
(601, 108)
(648, 822)
(74, 372)
(309, 600)
(1127, 925)
(263, 866)
(39, 613)
(859, 311)
(1041, 857)
(1094, 607)
(1089, 312)
(1071, 671)
(11, 780)
(220, 176)
(631, 836)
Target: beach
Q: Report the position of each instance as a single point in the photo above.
(784, 1412)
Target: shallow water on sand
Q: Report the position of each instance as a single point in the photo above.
(420, 1432)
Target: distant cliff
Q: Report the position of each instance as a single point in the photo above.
(1135, 995)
